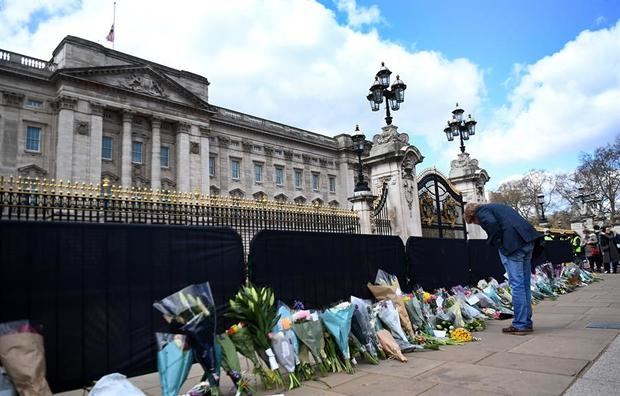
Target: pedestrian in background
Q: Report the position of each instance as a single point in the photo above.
(609, 250)
(593, 253)
(514, 237)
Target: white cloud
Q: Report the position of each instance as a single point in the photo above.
(289, 61)
(565, 102)
(359, 15)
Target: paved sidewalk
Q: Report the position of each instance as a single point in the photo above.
(561, 354)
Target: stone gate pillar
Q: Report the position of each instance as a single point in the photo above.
(393, 160)
(470, 179)
(362, 204)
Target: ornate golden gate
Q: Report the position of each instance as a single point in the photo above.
(441, 207)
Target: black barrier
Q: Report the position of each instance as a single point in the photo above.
(92, 287)
(555, 252)
(436, 262)
(322, 268)
(484, 261)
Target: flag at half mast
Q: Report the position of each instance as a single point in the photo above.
(110, 36)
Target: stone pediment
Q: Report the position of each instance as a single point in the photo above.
(139, 79)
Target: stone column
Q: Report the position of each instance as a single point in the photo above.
(470, 180)
(346, 174)
(155, 153)
(96, 135)
(182, 157)
(204, 160)
(126, 149)
(393, 160)
(64, 143)
(362, 204)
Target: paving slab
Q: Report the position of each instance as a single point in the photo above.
(414, 366)
(451, 390)
(612, 314)
(307, 391)
(495, 341)
(560, 309)
(333, 380)
(562, 347)
(602, 335)
(554, 320)
(498, 380)
(375, 384)
(455, 353)
(535, 363)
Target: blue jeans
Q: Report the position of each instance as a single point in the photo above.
(519, 268)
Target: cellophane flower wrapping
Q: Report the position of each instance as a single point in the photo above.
(309, 331)
(337, 320)
(174, 360)
(360, 325)
(389, 345)
(387, 288)
(389, 316)
(22, 355)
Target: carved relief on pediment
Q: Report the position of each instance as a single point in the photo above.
(143, 83)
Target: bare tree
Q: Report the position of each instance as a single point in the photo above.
(599, 173)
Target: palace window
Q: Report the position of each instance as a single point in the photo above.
(315, 182)
(106, 148)
(235, 169)
(164, 156)
(258, 173)
(211, 166)
(279, 175)
(33, 139)
(298, 178)
(332, 184)
(136, 152)
(37, 104)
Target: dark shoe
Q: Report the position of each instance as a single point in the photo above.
(515, 331)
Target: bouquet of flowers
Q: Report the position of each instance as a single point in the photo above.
(174, 359)
(257, 310)
(386, 287)
(309, 332)
(337, 320)
(192, 310)
(362, 330)
(388, 315)
(22, 354)
(231, 365)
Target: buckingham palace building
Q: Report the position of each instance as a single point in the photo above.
(92, 113)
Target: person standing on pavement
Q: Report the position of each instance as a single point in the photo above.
(577, 246)
(514, 237)
(593, 253)
(609, 250)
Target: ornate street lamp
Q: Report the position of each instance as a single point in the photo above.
(380, 89)
(457, 126)
(541, 202)
(359, 143)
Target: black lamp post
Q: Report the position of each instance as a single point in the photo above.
(380, 89)
(457, 126)
(541, 202)
(359, 143)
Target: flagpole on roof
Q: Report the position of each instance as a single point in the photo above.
(114, 24)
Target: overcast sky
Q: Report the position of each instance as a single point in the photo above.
(541, 77)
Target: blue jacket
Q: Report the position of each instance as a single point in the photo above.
(506, 229)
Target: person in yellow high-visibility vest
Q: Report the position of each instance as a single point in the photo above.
(580, 256)
(548, 235)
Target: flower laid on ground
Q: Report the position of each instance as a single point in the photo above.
(256, 308)
(390, 346)
(231, 365)
(461, 334)
(337, 320)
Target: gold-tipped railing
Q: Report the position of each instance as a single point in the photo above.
(51, 200)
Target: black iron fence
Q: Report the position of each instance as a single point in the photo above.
(36, 199)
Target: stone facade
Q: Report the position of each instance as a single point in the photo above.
(467, 176)
(92, 112)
